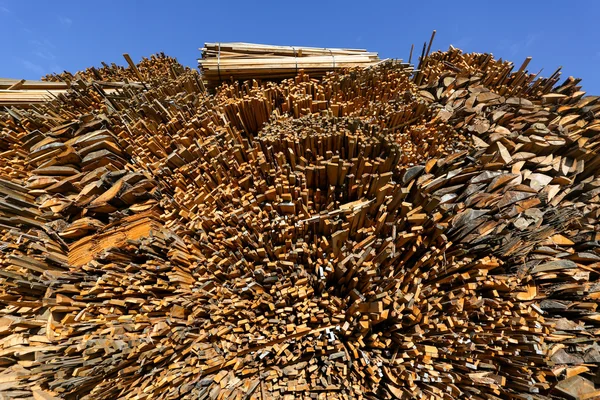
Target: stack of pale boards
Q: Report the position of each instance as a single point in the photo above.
(224, 62)
(358, 236)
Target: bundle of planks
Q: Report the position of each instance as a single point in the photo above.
(375, 234)
(240, 61)
(21, 92)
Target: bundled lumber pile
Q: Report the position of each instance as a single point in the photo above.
(374, 234)
(240, 61)
(15, 92)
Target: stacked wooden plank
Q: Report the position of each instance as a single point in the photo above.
(14, 84)
(241, 61)
(15, 92)
(374, 234)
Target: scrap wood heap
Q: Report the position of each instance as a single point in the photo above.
(149, 69)
(105, 80)
(375, 234)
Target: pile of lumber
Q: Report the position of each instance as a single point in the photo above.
(105, 80)
(26, 84)
(149, 69)
(22, 92)
(373, 234)
(240, 61)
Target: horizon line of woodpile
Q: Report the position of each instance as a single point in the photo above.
(273, 230)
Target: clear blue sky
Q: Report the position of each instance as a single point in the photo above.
(39, 37)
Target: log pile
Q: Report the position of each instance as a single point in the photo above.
(241, 61)
(373, 234)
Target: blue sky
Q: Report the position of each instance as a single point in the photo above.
(49, 36)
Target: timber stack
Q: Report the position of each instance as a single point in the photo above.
(377, 233)
(226, 62)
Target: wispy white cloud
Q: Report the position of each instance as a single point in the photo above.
(46, 55)
(531, 39)
(463, 42)
(42, 44)
(56, 68)
(33, 67)
(515, 48)
(22, 25)
(14, 17)
(65, 21)
(42, 49)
